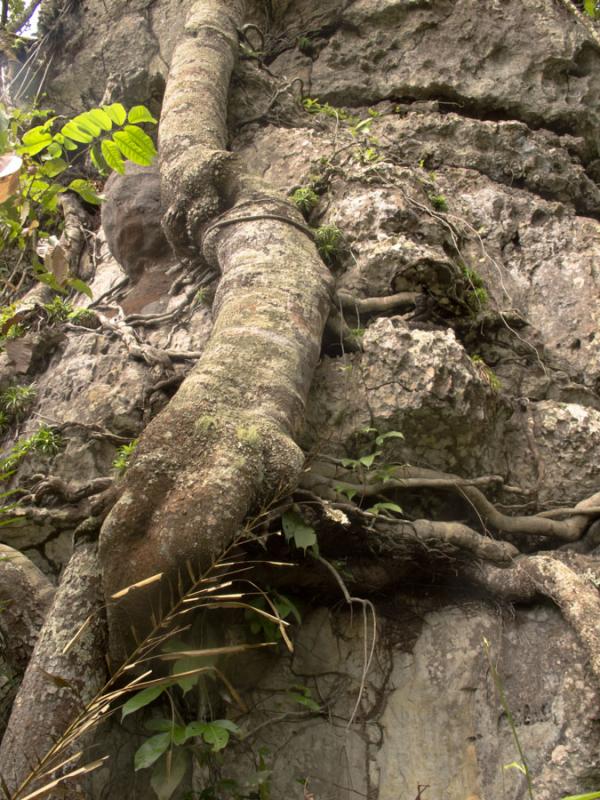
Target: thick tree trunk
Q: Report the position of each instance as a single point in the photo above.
(58, 682)
(225, 444)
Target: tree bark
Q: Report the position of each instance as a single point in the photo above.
(57, 684)
(225, 443)
(25, 594)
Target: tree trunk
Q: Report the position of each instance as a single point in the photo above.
(225, 444)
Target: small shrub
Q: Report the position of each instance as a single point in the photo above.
(82, 316)
(328, 239)
(439, 202)
(16, 401)
(305, 199)
(46, 441)
(58, 310)
(124, 455)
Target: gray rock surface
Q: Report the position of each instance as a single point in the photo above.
(430, 714)
(479, 170)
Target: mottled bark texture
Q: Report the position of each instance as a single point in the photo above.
(57, 685)
(25, 594)
(225, 444)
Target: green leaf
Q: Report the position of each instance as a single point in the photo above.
(116, 112)
(112, 156)
(72, 131)
(351, 463)
(36, 135)
(98, 159)
(55, 150)
(589, 796)
(139, 114)
(215, 733)
(69, 145)
(590, 9)
(85, 190)
(49, 279)
(295, 528)
(54, 167)
(350, 493)
(168, 774)
(35, 140)
(101, 118)
(389, 435)
(187, 665)
(135, 145)
(80, 286)
(87, 123)
(367, 461)
(304, 699)
(151, 750)
(141, 699)
(516, 765)
(384, 507)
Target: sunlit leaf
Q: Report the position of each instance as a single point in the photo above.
(151, 750)
(141, 699)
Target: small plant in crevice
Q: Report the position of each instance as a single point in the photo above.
(83, 317)
(305, 199)
(486, 372)
(15, 402)
(439, 202)
(476, 295)
(58, 310)
(329, 240)
(124, 455)
(369, 468)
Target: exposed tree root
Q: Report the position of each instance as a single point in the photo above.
(25, 594)
(328, 479)
(57, 684)
(569, 580)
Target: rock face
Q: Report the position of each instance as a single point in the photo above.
(430, 715)
(474, 187)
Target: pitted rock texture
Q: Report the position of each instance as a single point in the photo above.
(430, 714)
(494, 58)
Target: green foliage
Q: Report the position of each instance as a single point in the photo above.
(49, 151)
(439, 202)
(592, 9)
(476, 296)
(487, 372)
(303, 696)
(313, 106)
(305, 199)
(82, 316)
(45, 441)
(305, 45)
(58, 309)
(329, 240)
(588, 796)
(15, 401)
(264, 626)
(124, 455)
(297, 531)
